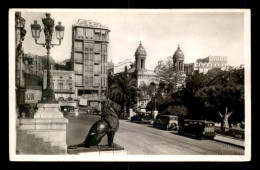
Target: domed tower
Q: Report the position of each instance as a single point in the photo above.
(178, 60)
(178, 64)
(140, 56)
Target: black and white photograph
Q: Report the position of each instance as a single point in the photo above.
(129, 85)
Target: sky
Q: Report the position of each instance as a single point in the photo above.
(199, 34)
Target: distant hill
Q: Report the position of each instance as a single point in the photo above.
(44, 61)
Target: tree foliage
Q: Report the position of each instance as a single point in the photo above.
(216, 92)
(123, 90)
(164, 70)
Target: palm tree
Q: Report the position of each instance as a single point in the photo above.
(123, 89)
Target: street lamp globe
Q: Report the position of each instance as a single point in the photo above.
(59, 29)
(36, 30)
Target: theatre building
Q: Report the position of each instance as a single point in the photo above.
(206, 64)
(89, 61)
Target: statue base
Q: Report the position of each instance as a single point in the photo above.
(98, 150)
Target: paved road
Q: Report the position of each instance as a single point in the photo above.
(143, 139)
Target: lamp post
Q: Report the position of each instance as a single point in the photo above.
(48, 22)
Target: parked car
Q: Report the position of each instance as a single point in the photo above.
(199, 128)
(169, 122)
(141, 118)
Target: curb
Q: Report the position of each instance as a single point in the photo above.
(230, 143)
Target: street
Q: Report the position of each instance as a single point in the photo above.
(144, 139)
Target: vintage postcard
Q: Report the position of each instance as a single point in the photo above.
(162, 85)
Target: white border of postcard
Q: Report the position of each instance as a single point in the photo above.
(133, 158)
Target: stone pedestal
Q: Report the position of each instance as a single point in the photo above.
(154, 113)
(98, 150)
(49, 124)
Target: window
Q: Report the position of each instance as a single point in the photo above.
(97, 48)
(88, 57)
(88, 47)
(78, 68)
(97, 69)
(78, 46)
(97, 81)
(103, 35)
(97, 58)
(97, 35)
(104, 48)
(79, 80)
(89, 33)
(70, 85)
(78, 57)
(88, 81)
(60, 86)
(80, 33)
(103, 58)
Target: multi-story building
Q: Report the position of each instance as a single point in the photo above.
(20, 86)
(62, 83)
(204, 65)
(89, 61)
(34, 78)
(120, 66)
(33, 65)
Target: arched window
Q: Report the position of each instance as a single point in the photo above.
(142, 63)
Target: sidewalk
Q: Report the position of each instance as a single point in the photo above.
(230, 140)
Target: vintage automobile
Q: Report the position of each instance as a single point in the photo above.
(141, 118)
(168, 122)
(199, 128)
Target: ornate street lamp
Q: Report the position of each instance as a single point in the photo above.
(48, 22)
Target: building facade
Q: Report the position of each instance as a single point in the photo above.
(34, 78)
(20, 85)
(33, 94)
(33, 65)
(62, 83)
(120, 66)
(89, 61)
(210, 62)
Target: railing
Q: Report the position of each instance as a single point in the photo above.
(235, 133)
